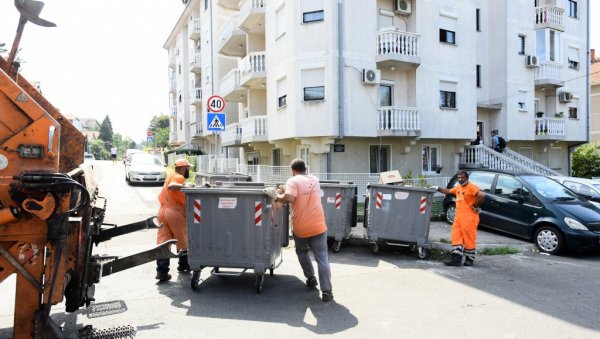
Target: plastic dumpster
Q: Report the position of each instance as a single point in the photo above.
(339, 204)
(234, 227)
(398, 215)
(213, 178)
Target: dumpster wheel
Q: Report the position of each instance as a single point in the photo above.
(271, 271)
(336, 246)
(374, 247)
(260, 278)
(422, 252)
(195, 283)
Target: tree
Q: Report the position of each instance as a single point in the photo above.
(586, 161)
(98, 149)
(160, 126)
(106, 132)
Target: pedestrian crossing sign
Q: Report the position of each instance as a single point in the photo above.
(215, 121)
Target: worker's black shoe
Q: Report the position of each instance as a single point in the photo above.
(469, 261)
(327, 296)
(312, 282)
(454, 260)
(163, 276)
(183, 268)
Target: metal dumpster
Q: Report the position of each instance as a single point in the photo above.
(213, 178)
(339, 202)
(398, 215)
(234, 227)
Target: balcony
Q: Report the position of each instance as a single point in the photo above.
(194, 29)
(254, 129)
(398, 121)
(253, 70)
(549, 74)
(252, 15)
(196, 130)
(232, 40)
(172, 62)
(550, 128)
(196, 96)
(232, 135)
(173, 114)
(549, 17)
(231, 88)
(229, 4)
(172, 86)
(173, 138)
(196, 64)
(396, 48)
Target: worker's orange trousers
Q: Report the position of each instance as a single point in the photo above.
(172, 219)
(464, 229)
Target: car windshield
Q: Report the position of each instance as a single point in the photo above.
(89, 156)
(596, 186)
(549, 188)
(145, 160)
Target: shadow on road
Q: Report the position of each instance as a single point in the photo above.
(284, 299)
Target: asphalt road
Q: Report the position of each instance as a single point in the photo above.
(391, 294)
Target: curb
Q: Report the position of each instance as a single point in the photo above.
(447, 247)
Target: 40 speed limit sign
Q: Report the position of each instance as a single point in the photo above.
(216, 104)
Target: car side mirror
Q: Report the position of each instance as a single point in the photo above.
(516, 197)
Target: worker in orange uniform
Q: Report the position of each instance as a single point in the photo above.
(464, 228)
(172, 217)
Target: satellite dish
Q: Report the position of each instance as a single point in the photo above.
(30, 10)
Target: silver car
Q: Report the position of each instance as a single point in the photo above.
(586, 188)
(144, 168)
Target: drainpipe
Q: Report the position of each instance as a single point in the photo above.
(587, 90)
(340, 81)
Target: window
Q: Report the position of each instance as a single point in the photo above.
(448, 37)
(573, 58)
(282, 101)
(521, 45)
(281, 93)
(205, 5)
(555, 158)
(179, 96)
(478, 75)
(554, 46)
(572, 9)
(180, 125)
(477, 19)
(385, 95)
(522, 103)
(314, 93)
(431, 158)
(280, 22)
(277, 157)
(507, 185)
(304, 154)
(573, 113)
(526, 151)
(313, 16)
(379, 158)
(483, 180)
(447, 99)
(179, 68)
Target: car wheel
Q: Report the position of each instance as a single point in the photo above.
(451, 213)
(549, 240)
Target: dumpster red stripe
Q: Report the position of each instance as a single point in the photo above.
(378, 197)
(338, 201)
(423, 205)
(197, 211)
(258, 213)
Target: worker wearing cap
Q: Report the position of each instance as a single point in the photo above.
(172, 217)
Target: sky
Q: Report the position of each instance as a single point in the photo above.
(106, 57)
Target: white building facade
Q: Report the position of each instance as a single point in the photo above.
(374, 85)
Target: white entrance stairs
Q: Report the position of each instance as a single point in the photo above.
(481, 156)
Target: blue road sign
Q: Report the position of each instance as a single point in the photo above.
(215, 121)
(150, 138)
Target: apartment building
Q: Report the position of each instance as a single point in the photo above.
(374, 85)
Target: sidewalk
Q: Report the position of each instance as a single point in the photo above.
(439, 238)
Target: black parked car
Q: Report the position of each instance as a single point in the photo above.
(533, 207)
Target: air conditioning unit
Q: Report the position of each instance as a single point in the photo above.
(371, 76)
(532, 61)
(565, 96)
(403, 7)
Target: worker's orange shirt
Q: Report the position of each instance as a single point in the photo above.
(308, 217)
(465, 197)
(169, 197)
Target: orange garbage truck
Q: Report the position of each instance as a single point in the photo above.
(50, 212)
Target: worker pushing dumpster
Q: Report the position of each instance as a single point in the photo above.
(339, 202)
(398, 215)
(234, 227)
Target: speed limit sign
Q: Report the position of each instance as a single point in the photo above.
(215, 104)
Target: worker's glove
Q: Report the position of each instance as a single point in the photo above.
(434, 187)
(477, 210)
(271, 192)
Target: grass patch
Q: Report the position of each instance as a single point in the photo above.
(502, 250)
(444, 241)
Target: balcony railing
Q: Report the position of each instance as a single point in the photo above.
(173, 137)
(172, 86)
(549, 17)
(232, 135)
(196, 64)
(401, 121)
(171, 60)
(231, 86)
(393, 44)
(550, 128)
(196, 95)
(253, 66)
(251, 14)
(549, 73)
(194, 29)
(232, 40)
(254, 129)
